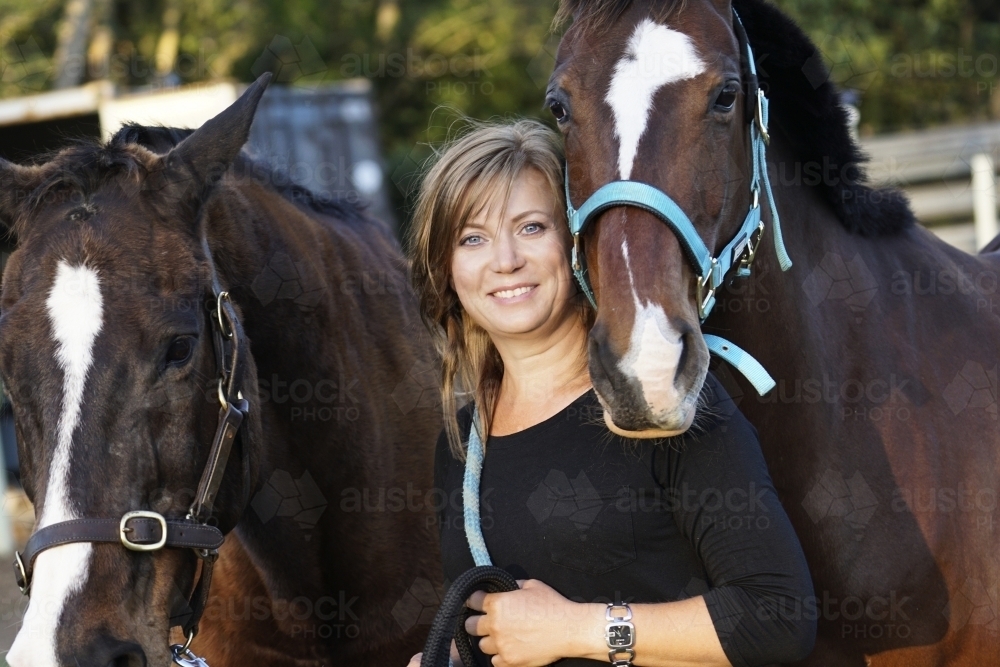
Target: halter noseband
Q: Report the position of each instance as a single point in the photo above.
(739, 252)
(150, 531)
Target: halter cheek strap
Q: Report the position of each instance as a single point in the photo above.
(712, 270)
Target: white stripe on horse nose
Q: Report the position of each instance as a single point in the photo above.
(75, 310)
(655, 56)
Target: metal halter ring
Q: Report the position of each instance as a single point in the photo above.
(187, 644)
(223, 296)
(141, 514)
(222, 395)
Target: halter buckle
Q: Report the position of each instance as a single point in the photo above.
(750, 252)
(20, 574)
(760, 117)
(123, 531)
(706, 299)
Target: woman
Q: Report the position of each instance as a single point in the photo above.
(685, 534)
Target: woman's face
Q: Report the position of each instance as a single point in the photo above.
(510, 268)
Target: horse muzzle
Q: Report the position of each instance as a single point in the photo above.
(651, 393)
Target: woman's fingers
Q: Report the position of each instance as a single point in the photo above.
(475, 601)
(488, 646)
(415, 660)
(475, 625)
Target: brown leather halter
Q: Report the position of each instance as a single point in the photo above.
(149, 531)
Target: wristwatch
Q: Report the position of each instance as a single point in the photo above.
(620, 635)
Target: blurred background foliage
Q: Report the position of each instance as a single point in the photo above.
(910, 63)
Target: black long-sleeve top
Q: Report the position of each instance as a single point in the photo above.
(601, 518)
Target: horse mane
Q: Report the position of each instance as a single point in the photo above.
(87, 165)
(805, 110)
(162, 139)
(594, 14)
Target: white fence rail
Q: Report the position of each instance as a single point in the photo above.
(949, 175)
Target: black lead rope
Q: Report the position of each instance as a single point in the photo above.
(450, 619)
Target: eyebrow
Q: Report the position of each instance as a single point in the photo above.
(523, 214)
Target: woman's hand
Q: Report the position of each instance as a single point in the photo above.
(529, 627)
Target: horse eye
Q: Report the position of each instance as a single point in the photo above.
(559, 111)
(180, 350)
(726, 98)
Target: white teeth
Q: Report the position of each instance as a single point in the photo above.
(511, 293)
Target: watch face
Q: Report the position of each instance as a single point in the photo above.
(620, 635)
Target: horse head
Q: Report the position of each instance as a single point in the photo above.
(655, 93)
(108, 354)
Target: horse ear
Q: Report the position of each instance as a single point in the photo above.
(187, 173)
(16, 185)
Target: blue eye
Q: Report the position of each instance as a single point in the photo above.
(467, 239)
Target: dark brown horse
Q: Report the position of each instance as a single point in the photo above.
(106, 349)
(882, 433)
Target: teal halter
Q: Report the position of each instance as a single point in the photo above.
(739, 252)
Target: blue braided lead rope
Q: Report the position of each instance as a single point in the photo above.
(470, 494)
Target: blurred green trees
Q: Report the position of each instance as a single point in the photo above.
(913, 63)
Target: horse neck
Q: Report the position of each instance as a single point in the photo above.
(851, 303)
(349, 331)
(790, 304)
(297, 279)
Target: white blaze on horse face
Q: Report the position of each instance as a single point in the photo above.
(655, 56)
(653, 355)
(75, 310)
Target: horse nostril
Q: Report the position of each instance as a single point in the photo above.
(607, 380)
(113, 653)
(131, 658)
(598, 371)
(684, 358)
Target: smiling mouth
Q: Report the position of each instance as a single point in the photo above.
(511, 293)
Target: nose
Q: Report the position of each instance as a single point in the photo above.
(106, 651)
(506, 257)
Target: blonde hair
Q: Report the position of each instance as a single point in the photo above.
(469, 173)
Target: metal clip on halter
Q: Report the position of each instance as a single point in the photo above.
(182, 655)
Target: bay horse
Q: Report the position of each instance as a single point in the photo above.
(881, 435)
(141, 266)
